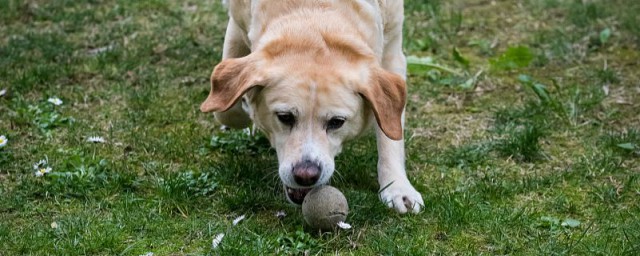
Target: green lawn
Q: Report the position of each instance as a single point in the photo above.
(523, 135)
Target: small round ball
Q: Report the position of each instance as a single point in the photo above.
(324, 207)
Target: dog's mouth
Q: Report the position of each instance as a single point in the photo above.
(296, 195)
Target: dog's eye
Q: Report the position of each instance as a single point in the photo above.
(335, 123)
(286, 118)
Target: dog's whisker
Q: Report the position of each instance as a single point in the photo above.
(337, 175)
(270, 172)
(273, 178)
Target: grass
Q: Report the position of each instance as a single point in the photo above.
(522, 135)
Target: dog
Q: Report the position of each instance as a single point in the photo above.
(312, 74)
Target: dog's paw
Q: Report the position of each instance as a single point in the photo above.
(402, 197)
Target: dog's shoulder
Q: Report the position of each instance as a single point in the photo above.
(239, 11)
(389, 12)
(392, 12)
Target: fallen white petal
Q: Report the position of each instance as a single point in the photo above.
(281, 214)
(344, 225)
(216, 240)
(605, 89)
(237, 220)
(99, 50)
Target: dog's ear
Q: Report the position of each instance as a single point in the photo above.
(387, 95)
(230, 79)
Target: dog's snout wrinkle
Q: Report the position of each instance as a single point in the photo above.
(306, 173)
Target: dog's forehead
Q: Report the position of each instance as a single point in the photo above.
(312, 93)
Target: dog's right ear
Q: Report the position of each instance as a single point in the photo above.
(387, 93)
(230, 79)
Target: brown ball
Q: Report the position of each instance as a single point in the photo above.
(324, 207)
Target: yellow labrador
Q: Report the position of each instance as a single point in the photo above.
(312, 74)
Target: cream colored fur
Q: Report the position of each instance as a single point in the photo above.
(318, 59)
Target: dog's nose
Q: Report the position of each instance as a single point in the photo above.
(306, 173)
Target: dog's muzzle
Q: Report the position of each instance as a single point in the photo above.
(306, 175)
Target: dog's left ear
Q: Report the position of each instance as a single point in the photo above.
(230, 79)
(387, 95)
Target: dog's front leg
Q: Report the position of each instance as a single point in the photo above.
(396, 190)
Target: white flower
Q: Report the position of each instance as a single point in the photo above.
(55, 101)
(3, 141)
(95, 139)
(216, 240)
(41, 164)
(237, 220)
(42, 171)
(344, 225)
(3, 92)
(147, 254)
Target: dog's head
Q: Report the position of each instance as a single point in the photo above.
(307, 102)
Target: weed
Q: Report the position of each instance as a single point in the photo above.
(569, 105)
(183, 187)
(554, 46)
(522, 143)
(597, 165)
(485, 46)
(584, 13)
(468, 156)
(45, 115)
(81, 176)
(419, 40)
(445, 75)
(626, 143)
(607, 76)
(299, 242)
(513, 58)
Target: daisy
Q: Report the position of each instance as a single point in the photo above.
(216, 241)
(95, 139)
(3, 141)
(41, 164)
(3, 92)
(42, 171)
(55, 101)
(344, 225)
